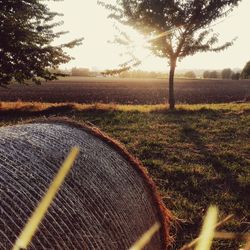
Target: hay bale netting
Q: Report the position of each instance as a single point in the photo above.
(106, 202)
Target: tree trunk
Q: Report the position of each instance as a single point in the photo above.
(171, 98)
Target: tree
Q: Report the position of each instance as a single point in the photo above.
(226, 73)
(213, 74)
(210, 74)
(245, 74)
(206, 74)
(236, 76)
(26, 37)
(80, 72)
(190, 74)
(178, 28)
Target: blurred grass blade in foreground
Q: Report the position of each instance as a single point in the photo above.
(146, 237)
(208, 229)
(29, 230)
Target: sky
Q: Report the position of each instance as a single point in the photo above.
(85, 18)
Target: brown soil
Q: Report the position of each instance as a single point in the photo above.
(129, 91)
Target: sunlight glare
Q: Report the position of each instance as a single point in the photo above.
(84, 18)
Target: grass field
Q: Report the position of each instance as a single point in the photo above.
(129, 91)
(198, 155)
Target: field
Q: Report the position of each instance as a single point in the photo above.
(129, 91)
(198, 155)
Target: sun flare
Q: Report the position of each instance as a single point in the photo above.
(87, 19)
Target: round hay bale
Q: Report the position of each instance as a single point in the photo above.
(106, 202)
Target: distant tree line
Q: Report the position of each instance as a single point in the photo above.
(148, 74)
(190, 74)
(223, 74)
(83, 72)
(228, 73)
(143, 74)
(80, 72)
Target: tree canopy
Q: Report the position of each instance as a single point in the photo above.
(245, 74)
(26, 38)
(226, 73)
(190, 74)
(177, 28)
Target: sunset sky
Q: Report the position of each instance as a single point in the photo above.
(84, 18)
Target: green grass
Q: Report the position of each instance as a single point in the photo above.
(198, 155)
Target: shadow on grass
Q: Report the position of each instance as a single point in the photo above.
(12, 114)
(209, 113)
(211, 158)
(203, 189)
(28, 112)
(194, 191)
(182, 111)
